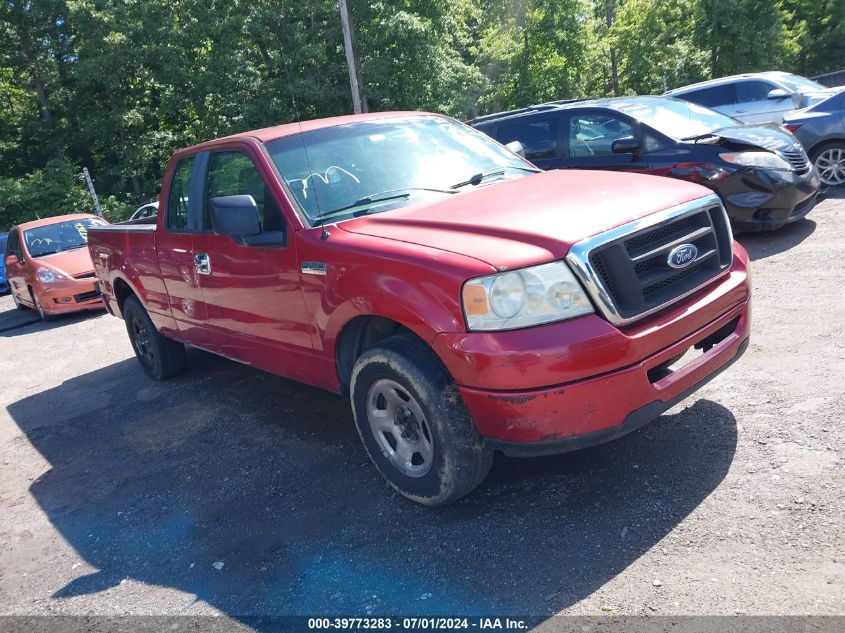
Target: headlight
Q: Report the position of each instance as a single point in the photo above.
(520, 298)
(47, 275)
(764, 160)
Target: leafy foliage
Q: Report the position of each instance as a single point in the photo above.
(117, 86)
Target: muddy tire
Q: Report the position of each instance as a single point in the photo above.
(414, 424)
(160, 357)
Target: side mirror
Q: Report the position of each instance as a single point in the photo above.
(799, 100)
(10, 260)
(625, 145)
(516, 147)
(235, 216)
(778, 93)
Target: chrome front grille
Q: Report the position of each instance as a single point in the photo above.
(797, 157)
(627, 270)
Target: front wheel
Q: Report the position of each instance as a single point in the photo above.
(414, 424)
(160, 357)
(18, 304)
(37, 302)
(830, 163)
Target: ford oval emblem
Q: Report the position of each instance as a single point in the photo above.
(682, 256)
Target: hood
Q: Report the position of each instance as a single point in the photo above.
(528, 220)
(69, 263)
(770, 136)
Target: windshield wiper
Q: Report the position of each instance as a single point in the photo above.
(381, 196)
(476, 179)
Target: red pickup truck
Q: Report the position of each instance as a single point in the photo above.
(465, 301)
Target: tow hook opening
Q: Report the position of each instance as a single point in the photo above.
(703, 346)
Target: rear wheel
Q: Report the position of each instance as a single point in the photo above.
(414, 424)
(830, 164)
(160, 357)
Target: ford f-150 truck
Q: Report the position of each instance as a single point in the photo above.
(464, 301)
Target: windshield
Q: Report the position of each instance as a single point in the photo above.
(676, 118)
(58, 237)
(797, 83)
(385, 163)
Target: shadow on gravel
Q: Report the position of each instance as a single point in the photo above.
(15, 322)
(253, 493)
(768, 243)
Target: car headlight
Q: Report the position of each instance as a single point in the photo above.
(46, 275)
(521, 298)
(763, 160)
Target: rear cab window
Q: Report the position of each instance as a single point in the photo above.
(178, 199)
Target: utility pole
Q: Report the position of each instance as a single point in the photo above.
(350, 57)
(92, 191)
(610, 10)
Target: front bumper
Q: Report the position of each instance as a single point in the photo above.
(764, 200)
(69, 295)
(583, 382)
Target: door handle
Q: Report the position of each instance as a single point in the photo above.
(202, 262)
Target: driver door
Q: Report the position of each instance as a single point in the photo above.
(252, 294)
(589, 142)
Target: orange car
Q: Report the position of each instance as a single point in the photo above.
(49, 268)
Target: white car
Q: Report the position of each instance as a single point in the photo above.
(756, 97)
(145, 211)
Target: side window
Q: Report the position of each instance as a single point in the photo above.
(13, 246)
(177, 202)
(651, 144)
(233, 174)
(752, 91)
(17, 245)
(593, 134)
(539, 138)
(713, 97)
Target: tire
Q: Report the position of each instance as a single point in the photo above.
(161, 357)
(18, 304)
(829, 161)
(424, 444)
(44, 316)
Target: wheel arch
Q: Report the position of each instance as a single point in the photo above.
(824, 143)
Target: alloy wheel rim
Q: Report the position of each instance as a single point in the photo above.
(141, 341)
(831, 166)
(400, 428)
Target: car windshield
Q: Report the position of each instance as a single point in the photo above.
(58, 237)
(380, 164)
(797, 83)
(676, 118)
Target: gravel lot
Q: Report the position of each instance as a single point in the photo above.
(230, 491)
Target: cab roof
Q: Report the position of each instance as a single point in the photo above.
(289, 129)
